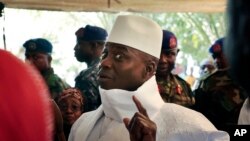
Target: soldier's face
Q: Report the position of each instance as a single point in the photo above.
(40, 60)
(166, 62)
(121, 68)
(83, 51)
(221, 61)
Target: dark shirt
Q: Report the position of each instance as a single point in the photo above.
(87, 82)
(220, 99)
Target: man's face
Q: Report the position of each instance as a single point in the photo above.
(166, 62)
(40, 60)
(207, 69)
(83, 51)
(121, 68)
(220, 61)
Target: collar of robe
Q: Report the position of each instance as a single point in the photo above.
(118, 104)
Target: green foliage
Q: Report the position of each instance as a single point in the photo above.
(195, 31)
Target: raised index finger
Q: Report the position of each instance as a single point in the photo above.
(139, 106)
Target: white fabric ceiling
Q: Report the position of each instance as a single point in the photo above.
(121, 5)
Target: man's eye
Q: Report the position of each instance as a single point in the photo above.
(104, 55)
(118, 56)
(170, 53)
(35, 57)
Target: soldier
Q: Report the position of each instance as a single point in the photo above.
(218, 97)
(172, 88)
(38, 53)
(88, 49)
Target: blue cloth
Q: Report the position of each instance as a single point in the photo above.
(38, 45)
(169, 41)
(91, 33)
(217, 47)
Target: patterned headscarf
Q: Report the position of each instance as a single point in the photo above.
(74, 92)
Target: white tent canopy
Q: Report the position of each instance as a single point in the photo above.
(121, 5)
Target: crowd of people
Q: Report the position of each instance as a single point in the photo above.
(128, 91)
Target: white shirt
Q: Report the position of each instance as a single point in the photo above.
(244, 117)
(174, 122)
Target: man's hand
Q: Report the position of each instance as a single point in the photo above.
(140, 127)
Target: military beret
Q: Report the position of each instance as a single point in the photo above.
(217, 47)
(91, 33)
(169, 41)
(38, 45)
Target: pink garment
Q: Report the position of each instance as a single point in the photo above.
(24, 102)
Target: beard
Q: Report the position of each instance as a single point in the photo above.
(82, 57)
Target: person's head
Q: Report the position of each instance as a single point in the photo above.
(24, 103)
(216, 51)
(237, 45)
(38, 53)
(131, 53)
(168, 53)
(90, 42)
(207, 67)
(71, 104)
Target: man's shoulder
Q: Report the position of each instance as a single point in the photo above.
(87, 73)
(53, 79)
(85, 123)
(182, 115)
(185, 124)
(217, 73)
(183, 82)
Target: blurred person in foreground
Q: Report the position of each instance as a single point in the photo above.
(132, 108)
(237, 49)
(24, 104)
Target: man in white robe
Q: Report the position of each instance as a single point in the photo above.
(127, 70)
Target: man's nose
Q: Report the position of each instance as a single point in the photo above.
(76, 47)
(163, 58)
(106, 62)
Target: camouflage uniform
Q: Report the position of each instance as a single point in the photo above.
(176, 90)
(219, 99)
(55, 84)
(86, 81)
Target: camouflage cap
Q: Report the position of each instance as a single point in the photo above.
(169, 41)
(91, 33)
(38, 45)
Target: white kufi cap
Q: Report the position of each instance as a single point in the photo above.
(137, 32)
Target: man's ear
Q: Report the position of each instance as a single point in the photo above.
(49, 58)
(151, 67)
